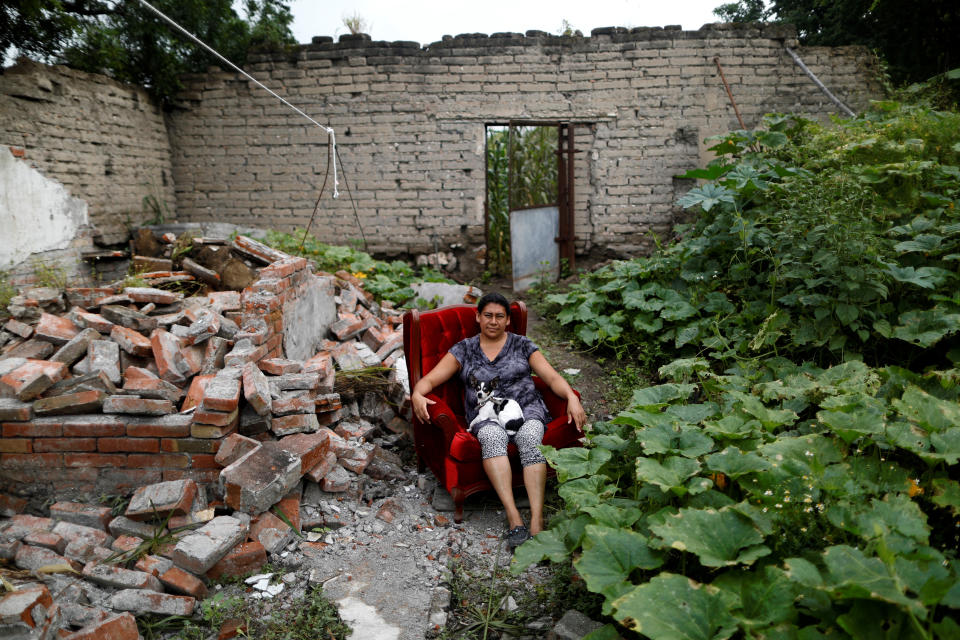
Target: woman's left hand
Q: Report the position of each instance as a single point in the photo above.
(575, 412)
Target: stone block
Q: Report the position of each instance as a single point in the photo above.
(109, 575)
(158, 500)
(133, 342)
(76, 348)
(242, 559)
(256, 390)
(198, 551)
(179, 581)
(70, 403)
(121, 626)
(260, 479)
(140, 602)
(104, 356)
(89, 515)
(138, 406)
(58, 330)
(574, 625)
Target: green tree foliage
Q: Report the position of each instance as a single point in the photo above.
(130, 43)
(917, 38)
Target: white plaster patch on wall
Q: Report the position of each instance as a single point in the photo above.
(36, 213)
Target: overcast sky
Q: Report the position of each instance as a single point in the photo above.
(427, 21)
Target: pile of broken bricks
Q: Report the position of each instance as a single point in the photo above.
(85, 573)
(144, 379)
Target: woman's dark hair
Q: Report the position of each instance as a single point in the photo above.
(493, 298)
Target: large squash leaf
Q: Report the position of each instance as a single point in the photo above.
(718, 537)
(672, 607)
(669, 476)
(854, 575)
(610, 555)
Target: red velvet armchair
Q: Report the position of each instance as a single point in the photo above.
(444, 445)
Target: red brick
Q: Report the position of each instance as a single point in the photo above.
(31, 460)
(126, 543)
(94, 426)
(79, 513)
(31, 349)
(54, 445)
(128, 445)
(203, 461)
(242, 559)
(323, 467)
(222, 393)
(131, 341)
(193, 358)
(157, 296)
(322, 363)
(290, 506)
(138, 373)
(232, 628)
(137, 406)
(168, 497)
(16, 445)
(172, 426)
(55, 329)
(234, 447)
(200, 476)
(89, 320)
(20, 605)
(11, 505)
(393, 343)
(289, 403)
(34, 377)
(158, 460)
(374, 337)
(256, 389)
(46, 539)
(311, 448)
(79, 402)
(122, 626)
(94, 460)
(153, 565)
(279, 366)
(33, 558)
(215, 418)
(196, 391)
(18, 328)
(211, 431)
(35, 429)
(166, 352)
(296, 423)
(189, 445)
(180, 581)
(153, 388)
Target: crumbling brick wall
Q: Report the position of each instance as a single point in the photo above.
(105, 141)
(410, 125)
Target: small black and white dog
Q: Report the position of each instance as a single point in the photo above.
(505, 411)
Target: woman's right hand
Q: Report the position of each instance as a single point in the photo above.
(420, 404)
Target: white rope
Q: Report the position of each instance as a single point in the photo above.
(328, 130)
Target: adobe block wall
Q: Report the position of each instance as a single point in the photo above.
(105, 141)
(410, 125)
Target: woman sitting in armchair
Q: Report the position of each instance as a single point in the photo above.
(498, 362)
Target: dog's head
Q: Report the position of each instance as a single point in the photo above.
(484, 388)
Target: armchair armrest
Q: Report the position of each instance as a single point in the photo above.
(556, 405)
(443, 417)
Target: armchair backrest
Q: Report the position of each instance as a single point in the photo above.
(428, 335)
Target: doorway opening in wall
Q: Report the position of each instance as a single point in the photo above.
(528, 173)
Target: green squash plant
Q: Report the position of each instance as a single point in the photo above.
(795, 473)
